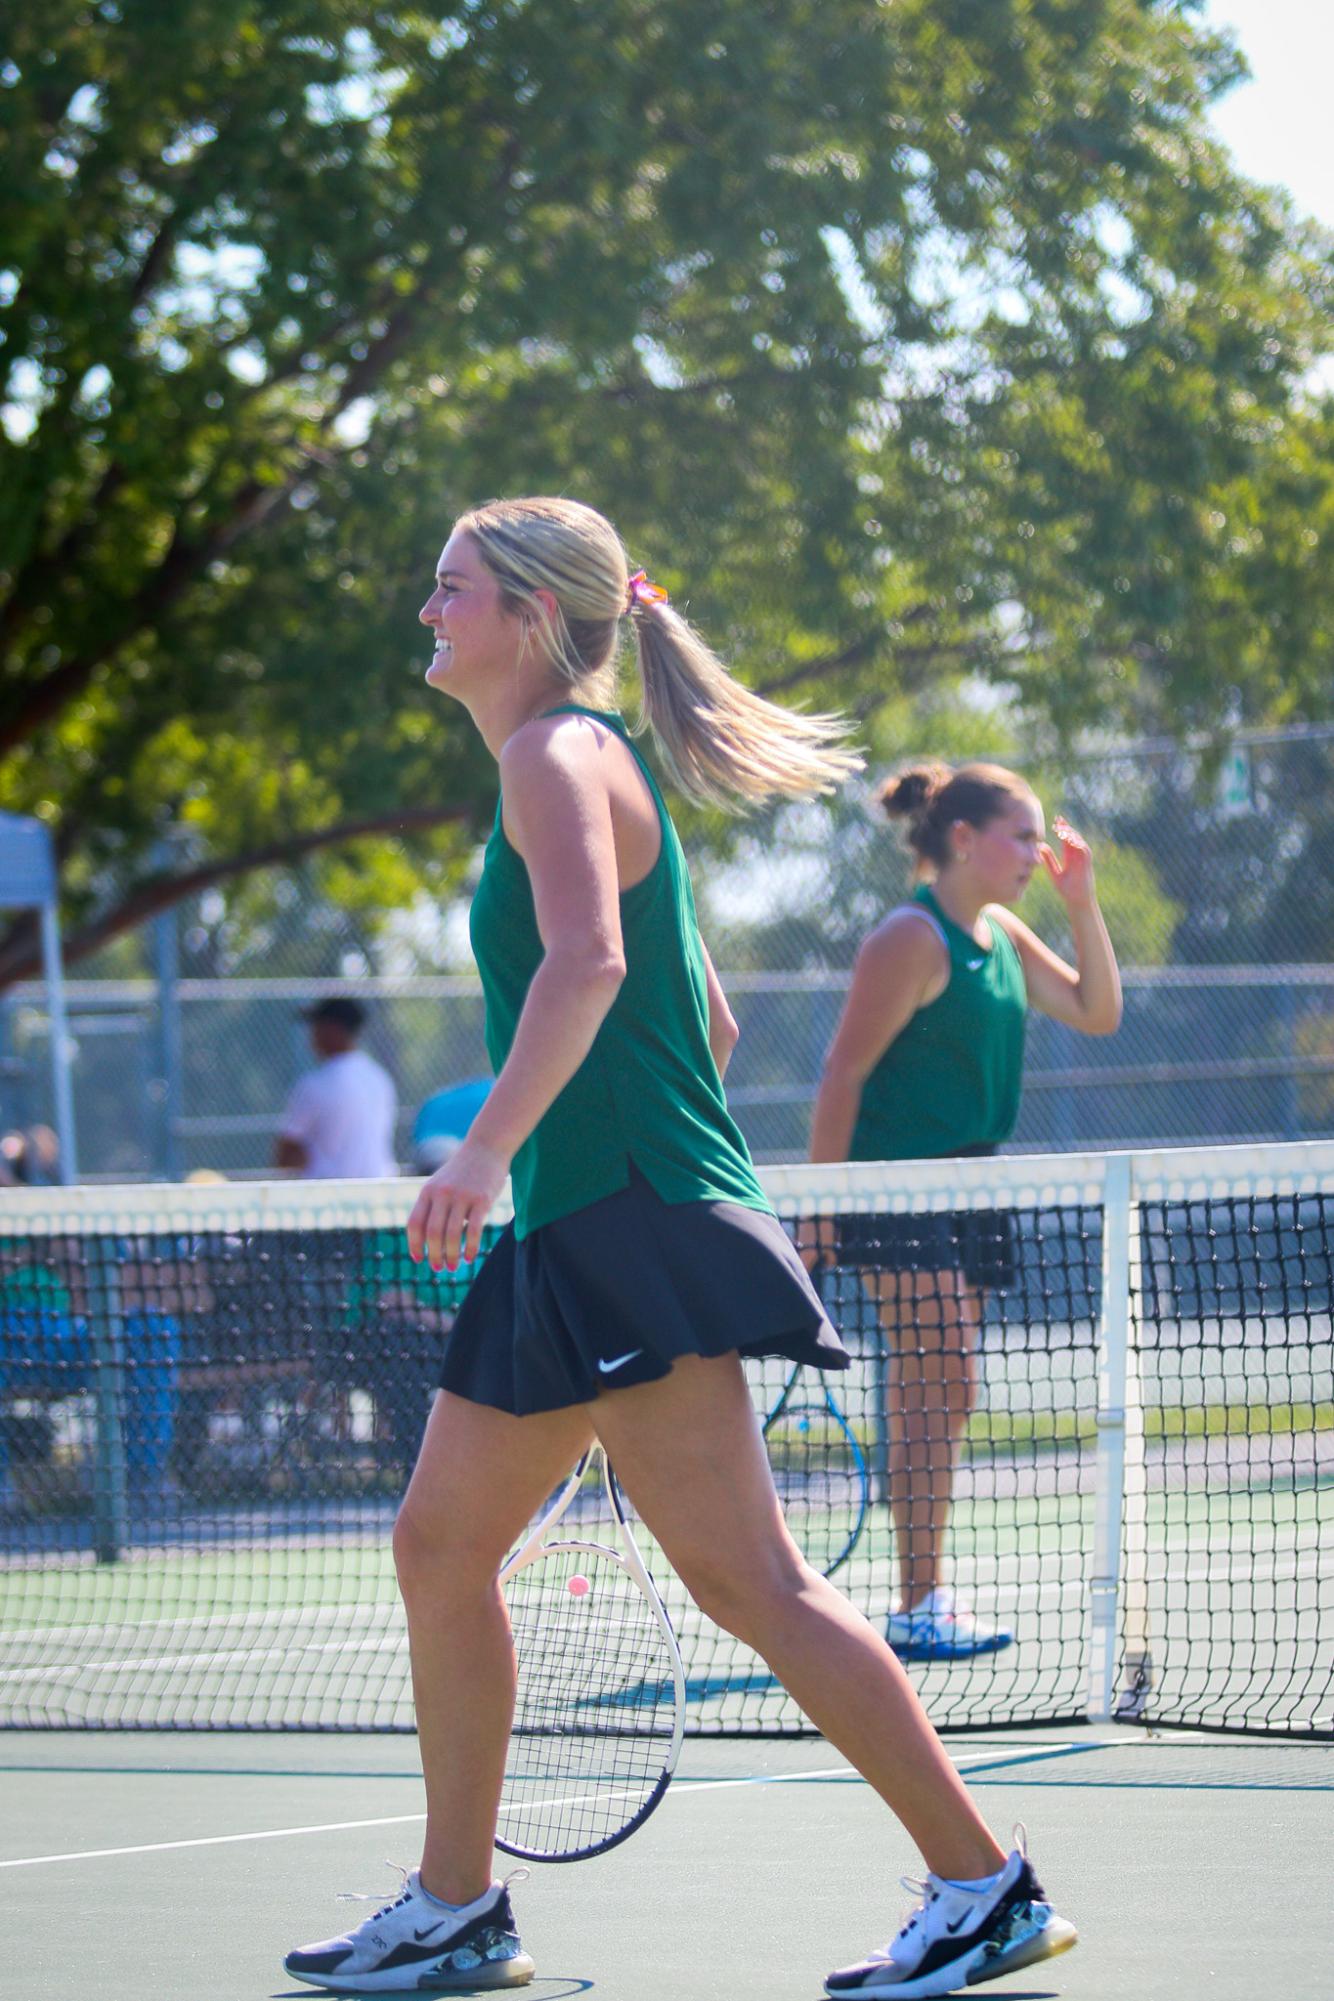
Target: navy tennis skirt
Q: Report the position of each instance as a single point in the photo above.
(611, 1295)
(978, 1243)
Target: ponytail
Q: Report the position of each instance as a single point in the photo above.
(722, 743)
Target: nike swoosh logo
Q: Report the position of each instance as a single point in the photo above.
(962, 1921)
(430, 1929)
(974, 965)
(606, 1368)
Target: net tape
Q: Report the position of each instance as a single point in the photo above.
(210, 1398)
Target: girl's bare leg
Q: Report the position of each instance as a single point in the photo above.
(690, 1454)
(480, 1478)
(931, 1322)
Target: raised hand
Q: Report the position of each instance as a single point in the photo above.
(1071, 870)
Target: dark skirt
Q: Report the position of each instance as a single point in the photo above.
(979, 1243)
(611, 1295)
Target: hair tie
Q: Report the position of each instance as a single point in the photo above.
(641, 590)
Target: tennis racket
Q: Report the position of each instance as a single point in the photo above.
(601, 1693)
(819, 1470)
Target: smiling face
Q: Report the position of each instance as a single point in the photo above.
(999, 857)
(478, 642)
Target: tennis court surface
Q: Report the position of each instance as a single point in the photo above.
(209, 1398)
(1193, 1866)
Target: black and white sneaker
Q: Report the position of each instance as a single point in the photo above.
(418, 1945)
(956, 1938)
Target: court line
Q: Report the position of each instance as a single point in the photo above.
(208, 1841)
(984, 1761)
(394, 1640)
(1237, 1563)
(687, 1788)
(256, 1616)
(94, 1637)
(374, 1643)
(390, 1820)
(378, 1776)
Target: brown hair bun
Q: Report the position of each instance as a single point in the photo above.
(907, 793)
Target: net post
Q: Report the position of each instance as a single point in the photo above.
(62, 1088)
(1137, 1668)
(1117, 1585)
(879, 1373)
(110, 1479)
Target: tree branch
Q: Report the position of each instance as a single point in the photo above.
(41, 572)
(861, 650)
(852, 655)
(254, 504)
(159, 250)
(183, 562)
(20, 955)
(179, 567)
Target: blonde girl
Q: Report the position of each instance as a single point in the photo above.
(643, 1261)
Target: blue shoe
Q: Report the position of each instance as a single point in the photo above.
(940, 1628)
(958, 1937)
(418, 1945)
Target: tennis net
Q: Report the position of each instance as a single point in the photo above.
(1108, 1379)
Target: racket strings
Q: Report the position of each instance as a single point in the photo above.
(595, 1710)
(821, 1480)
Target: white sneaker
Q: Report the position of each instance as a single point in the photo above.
(417, 1944)
(942, 1628)
(958, 1937)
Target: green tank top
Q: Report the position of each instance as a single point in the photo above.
(950, 1079)
(648, 1093)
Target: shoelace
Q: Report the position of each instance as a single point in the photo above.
(404, 1891)
(926, 1893)
(370, 1896)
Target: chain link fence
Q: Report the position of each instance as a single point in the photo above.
(1215, 870)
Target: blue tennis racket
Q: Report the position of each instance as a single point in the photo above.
(819, 1470)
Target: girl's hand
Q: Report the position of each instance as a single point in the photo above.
(1072, 870)
(448, 1216)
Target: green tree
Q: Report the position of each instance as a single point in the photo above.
(893, 338)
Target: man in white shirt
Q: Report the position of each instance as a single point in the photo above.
(339, 1121)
